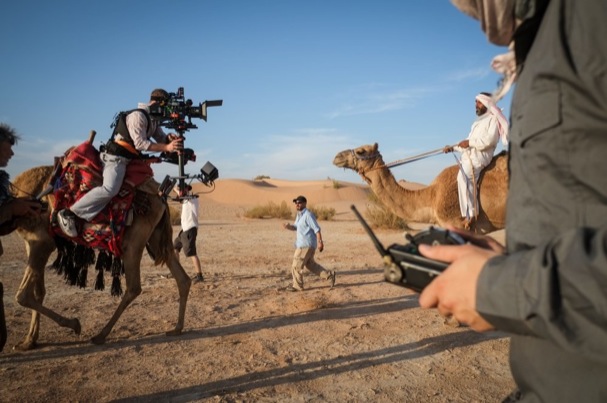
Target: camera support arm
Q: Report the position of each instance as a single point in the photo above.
(177, 113)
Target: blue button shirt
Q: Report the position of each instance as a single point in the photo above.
(307, 227)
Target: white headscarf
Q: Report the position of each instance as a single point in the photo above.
(492, 108)
(496, 17)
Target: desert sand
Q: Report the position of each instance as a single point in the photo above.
(246, 339)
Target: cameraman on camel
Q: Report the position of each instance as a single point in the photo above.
(128, 143)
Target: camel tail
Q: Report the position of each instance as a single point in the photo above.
(160, 247)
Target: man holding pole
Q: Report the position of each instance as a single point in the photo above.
(476, 153)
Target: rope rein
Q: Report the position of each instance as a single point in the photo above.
(397, 162)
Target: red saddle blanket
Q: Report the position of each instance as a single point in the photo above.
(81, 171)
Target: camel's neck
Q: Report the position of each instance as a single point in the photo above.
(412, 205)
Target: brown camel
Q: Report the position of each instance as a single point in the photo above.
(152, 229)
(437, 203)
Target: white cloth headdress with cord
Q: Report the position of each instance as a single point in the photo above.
(504, 64)
(492, 108)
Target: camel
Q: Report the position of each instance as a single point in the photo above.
(153, 229)
(437, 203)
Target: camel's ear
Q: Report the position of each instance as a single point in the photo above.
(375, 147)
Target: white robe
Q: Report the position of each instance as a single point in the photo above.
(483, 139)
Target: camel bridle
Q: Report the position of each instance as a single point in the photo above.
(391, 164)
(359, 169)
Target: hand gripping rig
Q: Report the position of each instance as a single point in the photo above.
(403, 264)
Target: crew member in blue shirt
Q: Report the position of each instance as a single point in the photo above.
(308, 239)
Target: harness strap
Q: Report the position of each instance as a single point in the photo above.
(127, 145)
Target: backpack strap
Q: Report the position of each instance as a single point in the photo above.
(120, 126)
(125, 148)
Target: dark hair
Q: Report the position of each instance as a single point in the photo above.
(159, 95)
(486, 93)
(7, 134)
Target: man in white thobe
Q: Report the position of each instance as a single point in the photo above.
(476, 153)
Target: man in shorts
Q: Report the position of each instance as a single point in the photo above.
(186, 239)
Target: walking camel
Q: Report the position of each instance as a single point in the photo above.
(437, 203)
(153, 229)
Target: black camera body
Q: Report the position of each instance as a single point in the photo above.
(404, 265)
(177, 112)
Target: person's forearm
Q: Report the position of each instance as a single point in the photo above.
(554, 291)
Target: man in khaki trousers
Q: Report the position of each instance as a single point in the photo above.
(308, 239)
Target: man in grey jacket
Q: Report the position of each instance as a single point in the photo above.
(548, 288)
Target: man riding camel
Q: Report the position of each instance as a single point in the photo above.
(128, 143)
(476, 153)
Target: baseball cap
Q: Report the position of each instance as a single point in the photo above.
(300, 199)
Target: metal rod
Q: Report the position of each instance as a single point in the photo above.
(416, 157)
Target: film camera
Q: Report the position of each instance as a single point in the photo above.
(176, 113)
(404, 265)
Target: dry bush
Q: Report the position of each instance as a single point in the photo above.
(323, 213)
(334, 183)
(379, 216)
(273, 210)
(270, 210)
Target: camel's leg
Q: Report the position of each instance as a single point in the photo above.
(3, 332)
(183, 285)
(31, 293)
(160, 241)
(132, 274)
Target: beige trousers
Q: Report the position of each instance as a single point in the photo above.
(304, 257)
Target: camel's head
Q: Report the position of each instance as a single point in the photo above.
(359, 159)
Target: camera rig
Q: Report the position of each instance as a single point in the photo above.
(176, 113)
(403, 264)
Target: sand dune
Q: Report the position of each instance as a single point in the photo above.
(244, 193)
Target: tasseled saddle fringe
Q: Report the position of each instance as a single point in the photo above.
(73, 261)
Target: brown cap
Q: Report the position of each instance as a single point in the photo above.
(300, 199)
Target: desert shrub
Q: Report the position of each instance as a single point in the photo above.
(379, 216)
(261, 177)
(322, 213)
(334, 183)
(270, 210)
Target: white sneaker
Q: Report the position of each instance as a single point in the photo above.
(67, 222)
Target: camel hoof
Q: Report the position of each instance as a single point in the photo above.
(25, 346)
(98, 340)
(175, 332)
(75, 326)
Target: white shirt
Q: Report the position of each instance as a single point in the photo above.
(483, 139)
(189, 213)
(137, 124)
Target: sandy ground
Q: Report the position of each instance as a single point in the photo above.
(246, 339)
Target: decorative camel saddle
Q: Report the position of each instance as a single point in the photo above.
(81, 170)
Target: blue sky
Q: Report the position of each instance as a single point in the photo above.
(300, 80)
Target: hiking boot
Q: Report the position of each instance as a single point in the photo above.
(67, 222)
(197, 278)
(331, 278)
